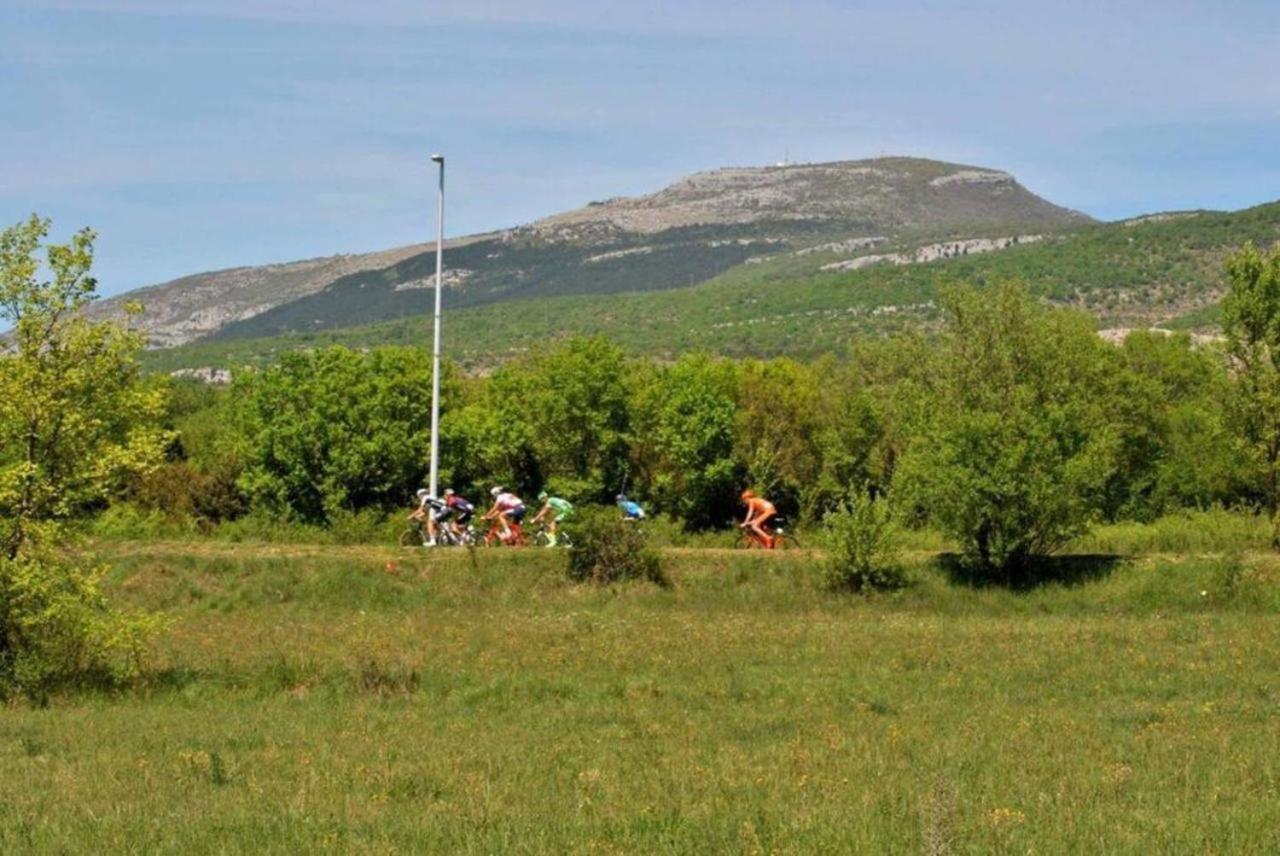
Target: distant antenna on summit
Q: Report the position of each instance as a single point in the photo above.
(786, 158)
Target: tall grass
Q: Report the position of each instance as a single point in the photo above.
(314, 698)
(1213, 531)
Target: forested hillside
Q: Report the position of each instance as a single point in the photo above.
(1157, 271)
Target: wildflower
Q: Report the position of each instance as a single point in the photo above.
(1000, 818)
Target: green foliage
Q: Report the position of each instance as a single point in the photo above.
(572, 404)
(1170, 403)
(860, 535)
(778, 429)
(334, 430)
(607, 549)
(75, 418)
(76, 421)
(1251, 321)
(1018, 449)
(683, 453)
(58, 629)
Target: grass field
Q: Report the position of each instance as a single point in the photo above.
(313, 698)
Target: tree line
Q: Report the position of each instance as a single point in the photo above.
(1012, 426)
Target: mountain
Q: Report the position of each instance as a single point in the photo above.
(690, 232)
(1163, 270)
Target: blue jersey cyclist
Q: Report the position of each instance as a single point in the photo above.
(630, 510)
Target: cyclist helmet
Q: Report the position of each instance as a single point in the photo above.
(542, 497)
(622, 497)
(422, 491)
(497, 489)
(748, 494)
(448, 491)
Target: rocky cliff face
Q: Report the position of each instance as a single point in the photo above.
(686, 233)
(901, 193)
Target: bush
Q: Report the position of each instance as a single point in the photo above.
(56, 629)
(608, 550)
(125, 521)
(861, 535)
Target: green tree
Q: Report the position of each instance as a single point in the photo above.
(1169, 402)
(573, 402)
(76, 420)
(683, 453)
(777, 431)
(1013, 461)
(334, 431)
(1251, 321)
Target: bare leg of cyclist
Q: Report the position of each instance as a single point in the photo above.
(766, 540)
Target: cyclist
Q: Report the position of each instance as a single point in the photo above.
(428, 511)
(630, 510)
(760, 513)
(457, 513)
(508, 510)
(555, 511)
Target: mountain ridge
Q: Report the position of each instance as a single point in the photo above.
(688, 232)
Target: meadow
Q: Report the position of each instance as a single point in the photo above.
(365, 699)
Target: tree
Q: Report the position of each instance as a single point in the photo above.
(777, 433)
(683, 453)
(76, 420)
(1251, 321)
(1169, 403)
(335, 431)
(573, 402)
(1017, 452)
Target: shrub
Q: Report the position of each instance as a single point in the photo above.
(608, 550)
(125, 521)
(861, 535)
(56, 629)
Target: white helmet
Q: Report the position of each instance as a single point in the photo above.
(497, 489)
(422, 491)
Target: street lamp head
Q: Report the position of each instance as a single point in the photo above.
(437, 158)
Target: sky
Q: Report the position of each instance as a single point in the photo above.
(203, 134)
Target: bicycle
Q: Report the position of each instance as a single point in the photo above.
(542, 538)
(414, 536)
(468, 537)
(749, 540)
(493, 538)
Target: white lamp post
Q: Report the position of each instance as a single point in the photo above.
(435, 349)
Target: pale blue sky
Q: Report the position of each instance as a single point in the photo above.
(196, 134)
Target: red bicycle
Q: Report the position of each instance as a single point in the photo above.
(749, 540)
(494, 536)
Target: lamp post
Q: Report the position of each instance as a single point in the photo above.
(435, 348)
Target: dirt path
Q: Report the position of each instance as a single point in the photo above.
(263, 550)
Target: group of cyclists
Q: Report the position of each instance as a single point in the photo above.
(446, 518)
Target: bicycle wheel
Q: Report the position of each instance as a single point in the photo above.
(787, 541)
(411, 538)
